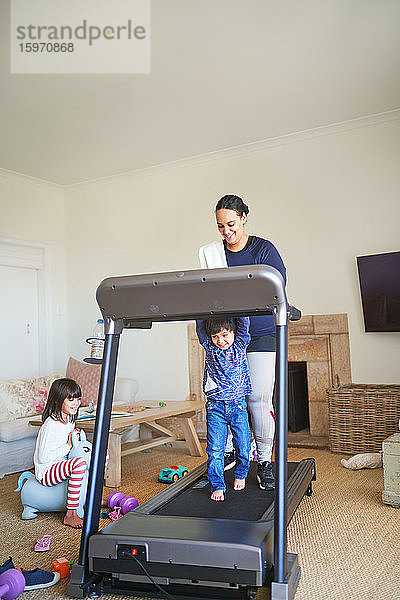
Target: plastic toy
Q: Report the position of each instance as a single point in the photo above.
(12, 584)
(369, 460)
(36, 497)
(172, 473)
(62, 566)
(104, 514)
(124, 503)
(115, 514)
(43, 544)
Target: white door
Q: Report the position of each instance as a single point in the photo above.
(19, 322)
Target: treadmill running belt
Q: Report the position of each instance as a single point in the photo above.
(245, 505)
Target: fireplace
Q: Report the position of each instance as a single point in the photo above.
(298, 413)
(322, 342)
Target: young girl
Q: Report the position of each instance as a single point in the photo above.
(54, 442)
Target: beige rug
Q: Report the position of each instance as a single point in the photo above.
(348, 542)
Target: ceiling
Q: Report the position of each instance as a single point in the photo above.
(224, 73)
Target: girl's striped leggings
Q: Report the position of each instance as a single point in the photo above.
(72, 469)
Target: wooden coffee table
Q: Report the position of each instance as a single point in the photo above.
(147, 419)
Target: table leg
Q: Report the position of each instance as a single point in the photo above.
(113, 471)
(145, 435)
(191, 437)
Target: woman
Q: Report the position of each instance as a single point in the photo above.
(239, 248)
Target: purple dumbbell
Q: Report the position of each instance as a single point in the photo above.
(12, 584)
(126, 503)
(114, 499)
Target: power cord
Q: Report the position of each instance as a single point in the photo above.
(150, 577)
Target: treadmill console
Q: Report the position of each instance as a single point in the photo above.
(128, 551)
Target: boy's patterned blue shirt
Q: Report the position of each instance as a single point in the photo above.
(226, 373)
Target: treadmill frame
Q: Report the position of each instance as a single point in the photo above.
(135, 302)
(188, 555)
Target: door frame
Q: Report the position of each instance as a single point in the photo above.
(35, 255)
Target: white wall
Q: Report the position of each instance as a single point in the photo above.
(34, 211)
(123, 231)
(322, 200)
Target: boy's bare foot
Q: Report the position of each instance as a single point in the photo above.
(218, 495)
(71, 518)
(239, 484)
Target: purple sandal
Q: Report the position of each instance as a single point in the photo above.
(43, 544)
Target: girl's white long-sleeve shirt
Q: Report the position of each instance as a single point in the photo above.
(51, 445)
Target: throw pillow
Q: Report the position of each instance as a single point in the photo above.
(87, 376)
(24, 397)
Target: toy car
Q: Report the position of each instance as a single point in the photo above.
(172, 473)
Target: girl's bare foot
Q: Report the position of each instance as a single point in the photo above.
(71, 518)
(239, 484)
(218, 495)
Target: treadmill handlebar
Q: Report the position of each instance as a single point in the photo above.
(137, 301)
(116, 327)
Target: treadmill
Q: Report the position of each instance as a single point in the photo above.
(180, 544)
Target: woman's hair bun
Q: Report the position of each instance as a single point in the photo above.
(232, 202)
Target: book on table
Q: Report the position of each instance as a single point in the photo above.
(88, 415)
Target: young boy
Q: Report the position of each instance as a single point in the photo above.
(226, 383)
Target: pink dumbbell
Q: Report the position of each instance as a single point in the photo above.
(126, 503)
(12, 584)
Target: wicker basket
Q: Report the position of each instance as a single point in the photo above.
(361, 416)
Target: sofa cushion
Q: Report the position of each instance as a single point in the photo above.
(16, 456)
(87, 376)
(24, 397)
(11, 431)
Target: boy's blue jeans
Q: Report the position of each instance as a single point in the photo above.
(219, 415)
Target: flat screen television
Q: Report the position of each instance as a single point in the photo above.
(379, 276)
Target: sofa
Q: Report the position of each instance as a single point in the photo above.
(23, 399)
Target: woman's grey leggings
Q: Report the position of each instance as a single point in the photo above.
(259, 403)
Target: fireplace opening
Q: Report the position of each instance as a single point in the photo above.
(298, 413)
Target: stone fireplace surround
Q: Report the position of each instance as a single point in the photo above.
(321, 341)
